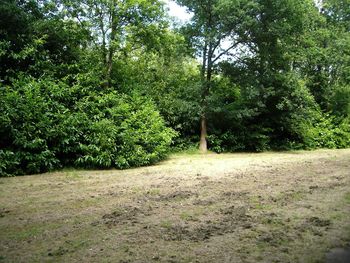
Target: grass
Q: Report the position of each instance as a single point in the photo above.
(266, 207)
(166, 224)
(154, 192)
(347, 197)
(73, 175)
(189, 216)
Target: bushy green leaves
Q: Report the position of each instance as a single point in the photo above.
(96, 84)
(41, 130)
(123, 132)
(27, 122)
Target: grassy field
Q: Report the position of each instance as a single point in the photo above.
(268, 207)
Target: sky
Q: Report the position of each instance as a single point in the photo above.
(178, 11)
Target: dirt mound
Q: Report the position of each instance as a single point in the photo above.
(316, 221)
(177, 195)
(125, 215)
(231, 219)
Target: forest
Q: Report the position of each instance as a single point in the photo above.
(99, 84)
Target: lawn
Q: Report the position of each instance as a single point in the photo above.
(265, 207)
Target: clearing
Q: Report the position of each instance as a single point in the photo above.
(267, 207)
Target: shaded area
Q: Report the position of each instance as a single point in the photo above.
(338, 255)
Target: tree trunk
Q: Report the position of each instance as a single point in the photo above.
(203, 126)
(206, 75)
(111, 47)
(203, 146)
(109, 68)
(203, 139)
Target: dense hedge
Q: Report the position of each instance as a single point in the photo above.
(284, 116)
(45, 125)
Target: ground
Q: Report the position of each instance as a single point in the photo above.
(266, 207)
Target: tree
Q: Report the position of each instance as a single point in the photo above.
(214, 24)
(112, 22)
(273, 97)
(36, 41)
(16, 36)
(324, 60)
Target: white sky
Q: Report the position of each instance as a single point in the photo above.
(180, 13)
(177, 11)
(183, 16)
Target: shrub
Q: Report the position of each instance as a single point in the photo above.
(323, 131)
(8, 163)
(28, 119)
(45, 125)
(125, 132)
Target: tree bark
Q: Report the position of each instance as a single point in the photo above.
(203, 139)
(111, 47)
(206, 74)
(203, 126)
(206, 82)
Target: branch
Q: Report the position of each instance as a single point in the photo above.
(80, 22)
(226, 50)
(217, 44)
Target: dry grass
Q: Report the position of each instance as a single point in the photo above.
(270, 207)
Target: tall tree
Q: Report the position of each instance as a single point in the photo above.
(112, 22)
(35, 40)
(216, 31)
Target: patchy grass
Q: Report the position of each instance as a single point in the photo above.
(347, 197)
(266, 207)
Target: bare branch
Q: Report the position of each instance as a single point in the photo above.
(226, 51)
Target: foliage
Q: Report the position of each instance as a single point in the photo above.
(173, 84)
(121, 132)
(324, 132)
(108, 83)
(42, 129)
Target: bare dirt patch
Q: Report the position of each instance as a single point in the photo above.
(270, 207)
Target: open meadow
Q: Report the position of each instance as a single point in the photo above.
(265, 207)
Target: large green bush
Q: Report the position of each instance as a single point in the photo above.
(324, 131)
(123, 131)
(283, 116)
(45, 125)
(27, 122)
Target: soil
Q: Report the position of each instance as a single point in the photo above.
(267, 207)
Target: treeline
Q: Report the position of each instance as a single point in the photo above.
(109, 83)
